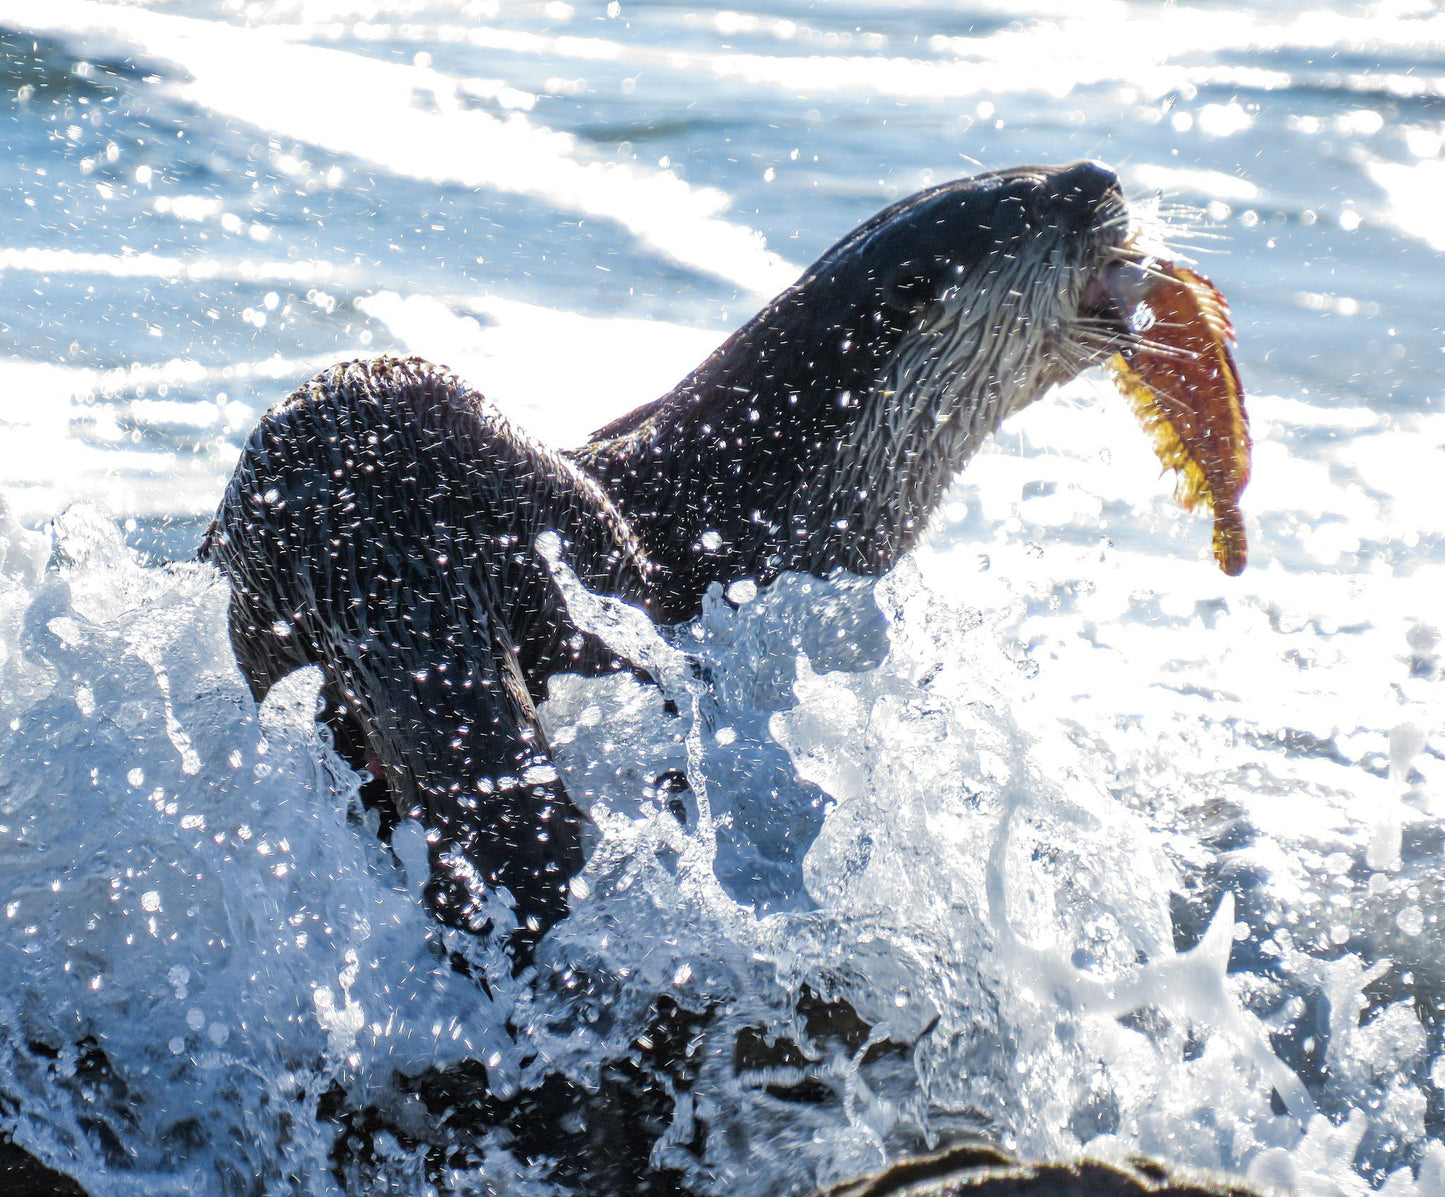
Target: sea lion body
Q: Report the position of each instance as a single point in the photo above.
(382, 522)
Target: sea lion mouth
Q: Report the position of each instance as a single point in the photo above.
(1114, 294)
(1112, 314)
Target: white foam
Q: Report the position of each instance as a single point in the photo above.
(147, 265)
(1412, 191)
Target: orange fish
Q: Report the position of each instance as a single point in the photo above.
(1184, 385)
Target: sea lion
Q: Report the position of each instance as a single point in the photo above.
(383, 519)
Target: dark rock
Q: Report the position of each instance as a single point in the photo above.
(22, 1175)
(979, 1170)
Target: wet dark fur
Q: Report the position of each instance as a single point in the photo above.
(383, 518)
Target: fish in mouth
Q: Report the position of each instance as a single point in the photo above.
(383, 520)
(1178, 371)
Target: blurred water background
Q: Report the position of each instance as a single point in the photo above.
(1125, 854)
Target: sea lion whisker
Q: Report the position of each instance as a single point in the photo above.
(1168, 209)
(1190, 221)
(1078, 356)
(1150, 269)
(1186, 220)
(1122, 220)
(1106, 342)
(1191, 250)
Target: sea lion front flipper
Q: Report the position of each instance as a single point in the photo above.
(450, 720)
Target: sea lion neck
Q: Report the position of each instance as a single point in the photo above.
(824, 432)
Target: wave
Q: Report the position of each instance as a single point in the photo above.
(1053, 54)
(446, 140)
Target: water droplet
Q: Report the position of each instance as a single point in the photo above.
(1411, 920)
(742, 592)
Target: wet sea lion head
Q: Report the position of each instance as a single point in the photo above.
(974, 297)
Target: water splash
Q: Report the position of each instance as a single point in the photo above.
(897, 900)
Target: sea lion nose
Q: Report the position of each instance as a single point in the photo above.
(1082, 190)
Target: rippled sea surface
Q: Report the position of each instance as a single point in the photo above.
(1110, 852)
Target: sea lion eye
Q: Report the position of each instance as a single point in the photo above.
(906, 287)
(1016, 216)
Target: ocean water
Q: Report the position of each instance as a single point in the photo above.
(1106, 851)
